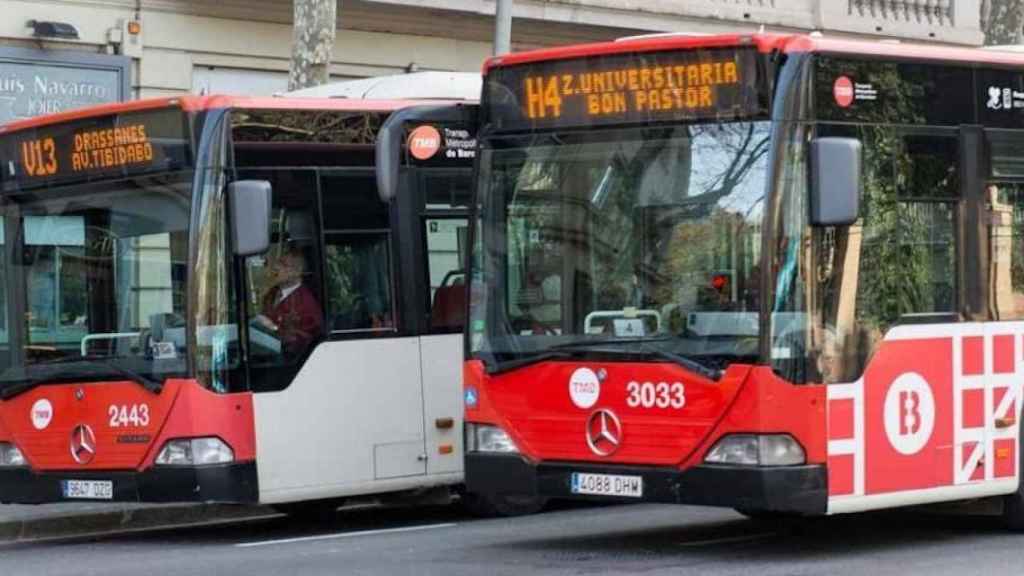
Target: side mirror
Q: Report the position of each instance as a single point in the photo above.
(249, 201)
(835, 181)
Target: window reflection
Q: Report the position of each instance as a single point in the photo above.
(358, 281)
(1005, 214)
(898, 263)
(446, 247)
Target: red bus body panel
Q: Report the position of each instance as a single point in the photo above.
(534, 406)
(183, 409)
(936, 416)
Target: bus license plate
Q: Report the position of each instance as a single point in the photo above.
(607, 485)
(88, 489)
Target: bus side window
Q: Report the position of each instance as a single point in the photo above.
(1004, 210)
(358, 282)
(446, 248)
(1003, 214)
(357, 255)
(284, 301)
(901, 255)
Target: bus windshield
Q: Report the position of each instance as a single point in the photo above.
(637, 241)
(98, 272)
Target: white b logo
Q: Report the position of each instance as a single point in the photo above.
(909, 413)
(584, 388)
(42, 414)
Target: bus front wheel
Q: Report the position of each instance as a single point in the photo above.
(502, 505)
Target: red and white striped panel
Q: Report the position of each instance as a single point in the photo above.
(933, 418)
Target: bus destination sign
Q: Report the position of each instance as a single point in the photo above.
(95, 147)
(627, 89)
(119, 147)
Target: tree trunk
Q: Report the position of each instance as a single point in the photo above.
(1002, 21)
(315, 22)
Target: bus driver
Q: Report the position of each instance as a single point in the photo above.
(290, 309)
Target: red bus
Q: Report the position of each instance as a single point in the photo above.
(782, 274)
(234, 300)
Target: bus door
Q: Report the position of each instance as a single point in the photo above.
(339, 405)
(444, 225)
(370, 341)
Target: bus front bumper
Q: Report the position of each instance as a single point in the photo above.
(788, 489)
(226, 483)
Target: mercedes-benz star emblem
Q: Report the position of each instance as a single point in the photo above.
(604, 432)
(83, 444)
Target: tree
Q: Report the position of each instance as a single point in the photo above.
(1002, 21)
(313, 34)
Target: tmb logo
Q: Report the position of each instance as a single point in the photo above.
(842, 91)
(424, 142)
(42, 414)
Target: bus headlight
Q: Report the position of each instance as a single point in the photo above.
(487, 438)
(11, 456)
(195, 452)
(757, 450)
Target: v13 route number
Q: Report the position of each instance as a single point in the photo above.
(651, 395)
(124, 416)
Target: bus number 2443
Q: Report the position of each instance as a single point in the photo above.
(124, 416)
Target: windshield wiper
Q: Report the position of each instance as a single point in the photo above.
(575, 344)
(571, 349)
(16, 387)
(537, 358)
(691, 365)
(688, 363)
(151, 384)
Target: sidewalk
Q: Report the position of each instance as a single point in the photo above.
(23, 523)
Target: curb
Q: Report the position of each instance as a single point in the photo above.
(124, 519)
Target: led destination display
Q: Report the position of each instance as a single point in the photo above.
(626, 88)
(95, 147)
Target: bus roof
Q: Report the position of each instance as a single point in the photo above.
(432, 85)
(766, 43)
(198, 103)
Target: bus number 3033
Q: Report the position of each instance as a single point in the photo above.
(651, 395)
(124, 416)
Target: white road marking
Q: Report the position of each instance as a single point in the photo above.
(728, 540)
(345, 535)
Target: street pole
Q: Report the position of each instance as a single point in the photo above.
(313, 34)
(503, 27)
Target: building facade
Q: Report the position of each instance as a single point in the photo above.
(140, 48)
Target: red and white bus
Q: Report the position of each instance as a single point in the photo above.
(773, 273)
(233, 299)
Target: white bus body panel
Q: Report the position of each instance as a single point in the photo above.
(441, 358)
(352, 422)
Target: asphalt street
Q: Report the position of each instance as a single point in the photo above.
(642, 539)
